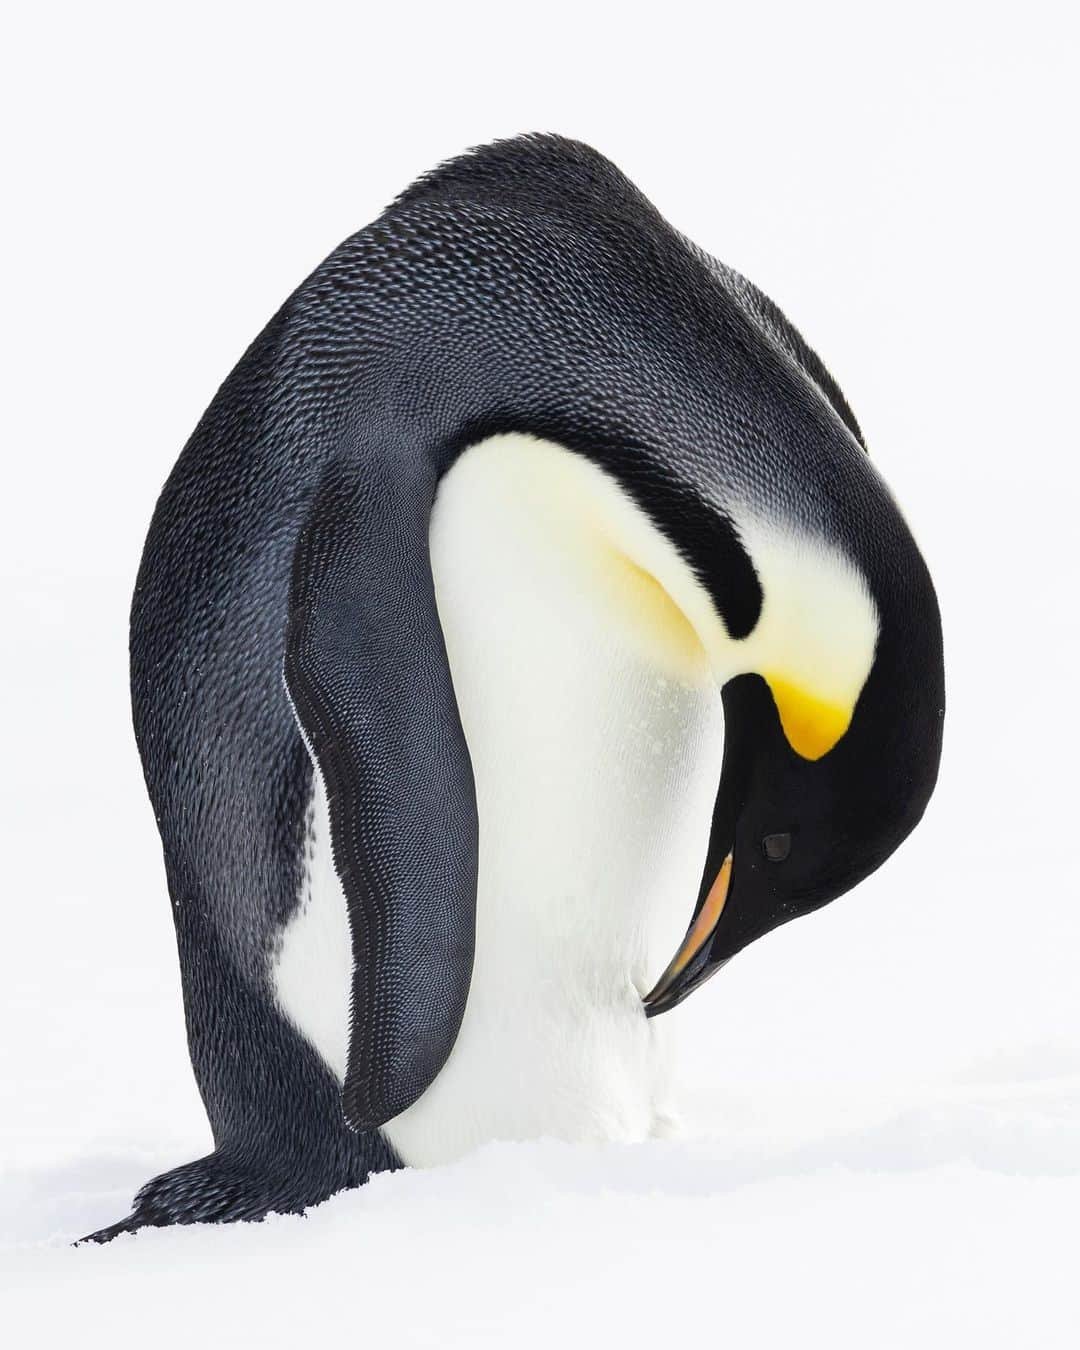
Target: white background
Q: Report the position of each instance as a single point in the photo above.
(887, 1093)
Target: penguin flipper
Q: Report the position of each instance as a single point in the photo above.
(367, 672)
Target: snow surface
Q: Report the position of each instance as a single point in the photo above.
(882, 1100)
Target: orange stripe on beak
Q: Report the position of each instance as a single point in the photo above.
(701, 930)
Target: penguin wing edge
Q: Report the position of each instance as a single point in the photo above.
(367, 672)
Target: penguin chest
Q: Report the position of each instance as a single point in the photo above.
(596, 734)
(596, 755)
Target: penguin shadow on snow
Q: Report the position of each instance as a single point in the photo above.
(1023, 1125)
(1014, 1131)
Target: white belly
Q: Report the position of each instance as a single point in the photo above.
(596, 741)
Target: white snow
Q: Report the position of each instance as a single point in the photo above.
(883, 1099)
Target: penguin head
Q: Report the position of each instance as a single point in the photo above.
(833, 712)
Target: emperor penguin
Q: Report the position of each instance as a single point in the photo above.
(523, 631)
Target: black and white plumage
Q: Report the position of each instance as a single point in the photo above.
(529, 501)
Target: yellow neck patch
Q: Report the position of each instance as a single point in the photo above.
(812, 725)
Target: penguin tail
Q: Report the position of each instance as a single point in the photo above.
(131, 1224)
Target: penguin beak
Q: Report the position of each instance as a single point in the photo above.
(690, 966)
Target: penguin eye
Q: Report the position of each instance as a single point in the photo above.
(776, 847)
